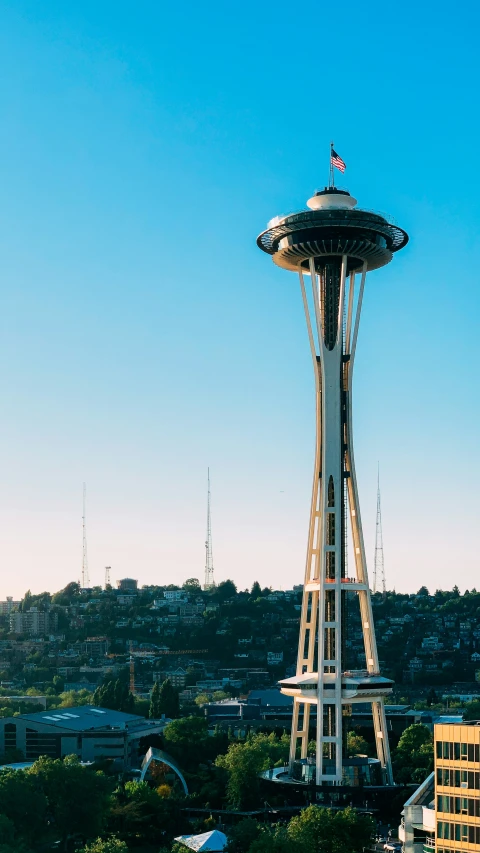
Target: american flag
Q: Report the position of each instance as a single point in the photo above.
(337, 161)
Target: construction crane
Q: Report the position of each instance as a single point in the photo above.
(85, 577)
(378, 565)
(209, 581)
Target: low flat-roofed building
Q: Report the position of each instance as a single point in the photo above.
(88, 732)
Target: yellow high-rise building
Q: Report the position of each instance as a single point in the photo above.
(457, 787)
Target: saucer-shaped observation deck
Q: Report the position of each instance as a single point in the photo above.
(330, 228)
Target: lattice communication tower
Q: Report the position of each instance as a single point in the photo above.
(378, 564)
(209, 581)
(85, 575)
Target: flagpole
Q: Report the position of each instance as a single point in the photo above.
(331, 181)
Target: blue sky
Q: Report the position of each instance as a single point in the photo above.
(143, 336)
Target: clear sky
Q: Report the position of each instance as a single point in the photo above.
(144, 337)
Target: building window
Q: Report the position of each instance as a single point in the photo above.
(331, 492)
(10, 736)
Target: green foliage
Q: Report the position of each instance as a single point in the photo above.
(71, 699)
(138, 812)
(242, 836)
(274, 840)
(244, 761)
(107, 845)
(472, 710)
(23, 805)
(114, 695)
(256, 590)
(187, 740)
(356, 745)
(10, 841)
(77, 796)
(318, 830)
(164, 700)
(192, 585)
(413, 757)
(225, 590)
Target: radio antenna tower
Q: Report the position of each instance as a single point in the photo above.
(209, 581)
(378, 566)
(131, 670)
(85, 577)
(107, 576)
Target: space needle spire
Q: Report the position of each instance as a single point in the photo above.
(332, 245)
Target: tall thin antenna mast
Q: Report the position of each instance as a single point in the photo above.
(132, 670)
(209, 581)
(378, 565)
(85, 577)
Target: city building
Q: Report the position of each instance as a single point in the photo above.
(417, 829)
(334, 245)
(7, 606)
(90, 733)
(34, 622)
(95, 647)
(457, 786)
(127, 585)
(175, 595)
(443, 814)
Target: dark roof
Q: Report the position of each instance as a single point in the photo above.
(269, 697)
(83, 718)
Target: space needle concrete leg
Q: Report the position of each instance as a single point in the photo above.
(309, 613)
(366, 614)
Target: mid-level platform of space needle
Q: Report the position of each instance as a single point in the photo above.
(332, 246)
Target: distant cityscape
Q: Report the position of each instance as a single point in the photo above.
(205, 640)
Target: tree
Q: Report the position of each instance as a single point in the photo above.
(242, 836)
(274, 840)
(107, 845)
(114, 695)
(23, 805)
(78, 797)
(243, 763)
(472, 710)
(140, 813)
(164, 700)
(256, 590)
(225, 590)
(413, 757)
(188, 741)
(192, 585)
(58, 683)
(356, 745)
(319, 830)
(10, 841)
(153, 711)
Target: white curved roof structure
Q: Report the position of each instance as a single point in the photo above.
(213, 842)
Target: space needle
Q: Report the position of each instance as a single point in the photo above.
(332, 246)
